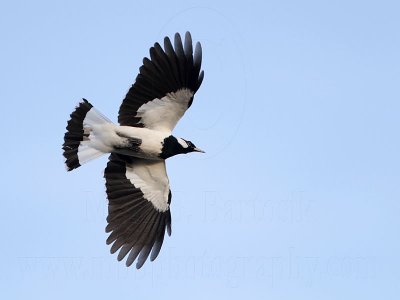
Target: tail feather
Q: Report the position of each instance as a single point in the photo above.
(77, 147)
(86, 153)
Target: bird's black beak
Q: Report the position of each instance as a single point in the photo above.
(198, 150)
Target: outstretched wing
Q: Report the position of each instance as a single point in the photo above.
(165, 86)
(138, 210)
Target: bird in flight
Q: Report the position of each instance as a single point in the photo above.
(137, 184)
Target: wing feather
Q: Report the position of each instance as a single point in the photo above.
(151, 102)
(138, 212)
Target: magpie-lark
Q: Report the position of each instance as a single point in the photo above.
(137, 184)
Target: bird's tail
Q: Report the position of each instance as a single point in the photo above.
(77, 145)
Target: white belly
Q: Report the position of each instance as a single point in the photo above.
(152, 140)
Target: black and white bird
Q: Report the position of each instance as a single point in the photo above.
(137, 184)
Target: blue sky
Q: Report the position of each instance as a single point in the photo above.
(298, 194)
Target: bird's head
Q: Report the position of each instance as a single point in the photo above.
(173, 146)
(188, 146)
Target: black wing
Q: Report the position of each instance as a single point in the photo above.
(138, 210)
(165, 86)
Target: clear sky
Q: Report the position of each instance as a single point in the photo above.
(298, 194)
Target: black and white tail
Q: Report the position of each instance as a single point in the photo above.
(77, 146)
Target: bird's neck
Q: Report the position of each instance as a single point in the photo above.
(171, 147)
